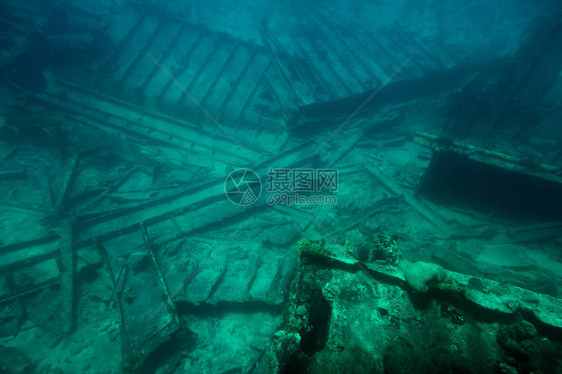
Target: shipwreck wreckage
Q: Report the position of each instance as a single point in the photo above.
(136, 222)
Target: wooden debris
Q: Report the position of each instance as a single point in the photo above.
(491, 157)
(6, 174)
(351, 138)
(68, 177)
(147, 315)
(148, 247)
(67, 275)
(321, 116)
(112, 188)
(415, 203)
(534, 233)
(364, 214)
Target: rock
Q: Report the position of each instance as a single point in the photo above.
(525, 330)
(419, 274)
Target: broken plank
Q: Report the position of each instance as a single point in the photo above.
(20, 255)
(415, 203)
(122, 114)
(148, 247)
(147, 319)
(67, 275)
(535, 233)
(352, 137)
(6, 174)
(111, 188)
(356, 219)
(69, 175)
(193, 200)
(523, 165)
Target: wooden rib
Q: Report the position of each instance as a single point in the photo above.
(111, 188)
(163, 57)
(236, 83)
(67, 269)
(179, 68)
(275, 58)
(141, 53)
(146, 129)
(67, 181)
(337, 52)
(389, 55)
(124, 42)
(276, 97)
(218, 75)
(310, 71)
(253, 91)
(337, 31)
(307, 75)
(202, 67)
(314, 44)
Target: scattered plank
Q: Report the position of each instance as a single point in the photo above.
(70, 173)
(147, 316)
(352, 137)
(522, 165)
(67, 265)
(396, 190)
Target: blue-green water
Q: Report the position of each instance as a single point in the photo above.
(280, 187)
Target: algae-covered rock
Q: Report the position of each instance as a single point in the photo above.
(385, 249)
(314, 248)
(449, 286)
(420, 275)
(519, 341)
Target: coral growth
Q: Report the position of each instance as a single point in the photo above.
(314, 248)
(385, 249)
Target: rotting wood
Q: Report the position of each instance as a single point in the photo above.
(234, 85)
(323, 18)
(129, 220)
(125, 120)
(415, 203)
(317, 47)
(295, 64)
(364, 214)
(111, 188)
(141, 53)
(187, 89)
(533, 233)
(27, 291)
(177, 70)
(70, 173)
(218, 75)
(167, 52)
(67, 270)
(522, 165)
(350, 70)
(147, 319)
(321, 116)
(189, 200)
(267, 38)
(150, 252)
(111, 60)
(12, 174)
(309, 71)
(352, 137)
(271, 89)
(254, 89)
